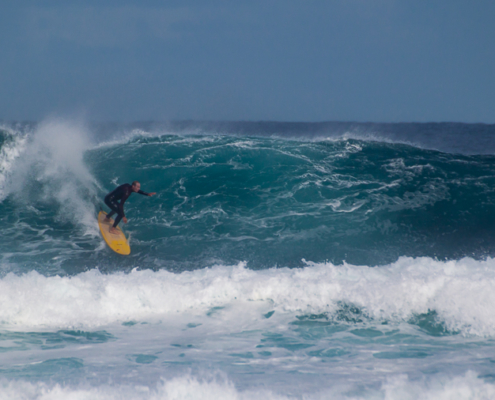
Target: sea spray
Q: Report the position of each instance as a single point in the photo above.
(49, 168)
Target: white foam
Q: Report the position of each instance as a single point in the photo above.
(182, 388)
(467, 387)
(10, 150)
(461, 292)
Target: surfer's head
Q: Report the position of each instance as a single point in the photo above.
(136, 186)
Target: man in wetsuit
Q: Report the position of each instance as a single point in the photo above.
(121, 193)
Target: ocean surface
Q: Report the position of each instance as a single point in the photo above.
(277, 261)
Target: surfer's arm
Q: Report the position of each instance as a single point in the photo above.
(146, 194)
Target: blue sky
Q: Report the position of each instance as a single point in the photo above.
(347, 60)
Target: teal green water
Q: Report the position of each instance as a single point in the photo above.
(269, 202)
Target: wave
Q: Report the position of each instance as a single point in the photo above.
(458, 294)
(465, 387)
(226, 198)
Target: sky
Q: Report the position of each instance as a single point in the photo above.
(311, 60)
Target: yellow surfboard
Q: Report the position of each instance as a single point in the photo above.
(116, 241)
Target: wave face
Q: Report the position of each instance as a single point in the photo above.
(276, 261)
(266, 201)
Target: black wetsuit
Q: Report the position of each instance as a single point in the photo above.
(112, 201)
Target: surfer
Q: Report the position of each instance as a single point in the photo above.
(121, 193)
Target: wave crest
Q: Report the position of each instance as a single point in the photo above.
(460, 293)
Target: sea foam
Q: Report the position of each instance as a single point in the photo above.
(466, 387)
(461, 293)
(11, 148)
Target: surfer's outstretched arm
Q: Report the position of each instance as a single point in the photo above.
(146, 194)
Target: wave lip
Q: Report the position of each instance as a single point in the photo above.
(461, 293)
(448, 137)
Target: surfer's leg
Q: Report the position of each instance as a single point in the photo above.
(117, 220)
(110, 214)
(113, 205)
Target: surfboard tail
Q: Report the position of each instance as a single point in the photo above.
(116, 241)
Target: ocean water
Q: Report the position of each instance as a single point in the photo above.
(277, 261)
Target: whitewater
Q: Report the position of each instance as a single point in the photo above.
(277, 261)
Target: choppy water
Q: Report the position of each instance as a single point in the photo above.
(276, 261)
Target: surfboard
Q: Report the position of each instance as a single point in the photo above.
(116, 241)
